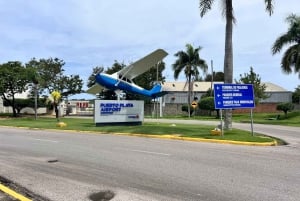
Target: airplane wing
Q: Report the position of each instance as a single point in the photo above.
(142, 65)
(95, 89)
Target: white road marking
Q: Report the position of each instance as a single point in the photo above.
(45, 140)
(146, 152)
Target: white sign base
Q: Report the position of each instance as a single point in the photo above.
(122, 112)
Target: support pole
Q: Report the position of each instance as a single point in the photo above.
(35, 101)
(251, 114)
(222, 132)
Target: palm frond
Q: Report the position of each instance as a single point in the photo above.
(297, 65)
(289, 59)
(291, 36)
(284, 39)
(291, 19)
(205, 6)
(269, 6)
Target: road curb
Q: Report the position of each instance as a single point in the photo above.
(167, 136)
(172, 137)
(13, 193)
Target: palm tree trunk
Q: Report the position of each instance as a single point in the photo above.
(189, 95)
(228, 59)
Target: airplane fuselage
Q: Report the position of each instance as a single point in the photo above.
(113, 83)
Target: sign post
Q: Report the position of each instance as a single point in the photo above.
(233, 96)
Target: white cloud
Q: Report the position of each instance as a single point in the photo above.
(93, 33)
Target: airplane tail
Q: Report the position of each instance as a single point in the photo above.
(156, 91)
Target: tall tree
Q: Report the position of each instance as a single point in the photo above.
(217, 76)
(91, 79)
(70, 85)
(296, 95)
(50, 77)
(189, 62)
(227, 11)
(13, 80)
(291, 58)
(50, 71)
(258, 87)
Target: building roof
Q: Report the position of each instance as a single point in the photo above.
(273, 87)
(204, 86)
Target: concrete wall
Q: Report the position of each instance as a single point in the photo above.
(278, 97)
(26, 110)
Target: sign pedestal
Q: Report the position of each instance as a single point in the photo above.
(123, 112)
(233, 96)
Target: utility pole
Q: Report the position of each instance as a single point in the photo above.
(212, 77)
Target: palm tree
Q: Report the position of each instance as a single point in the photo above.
(291, 57)
(189, 62)
(227, 11)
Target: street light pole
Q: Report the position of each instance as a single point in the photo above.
(35, 101)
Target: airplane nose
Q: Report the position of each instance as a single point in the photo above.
(99, 77)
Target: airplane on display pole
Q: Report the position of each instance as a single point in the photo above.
(122, 80)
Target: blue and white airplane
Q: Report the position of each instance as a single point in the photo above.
(122, 80)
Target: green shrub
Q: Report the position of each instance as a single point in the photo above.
(184, 108)
(285, 107)
(208, 103)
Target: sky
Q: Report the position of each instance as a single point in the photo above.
(91, 33)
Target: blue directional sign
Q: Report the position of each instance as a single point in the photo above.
(230, 96)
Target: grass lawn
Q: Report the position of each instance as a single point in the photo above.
(292, 118)
(84, 124)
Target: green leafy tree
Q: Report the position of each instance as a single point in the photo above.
(70, 85)
(55, 98)
(185, 108)
(285, 107)
(291, 57)
(189, 62)
(217, 77)
(49, 71)
(227, 11)
(91, 79)
(208, 103)
(50, 77)
(13, 80)
(258, 87)
(296, 95)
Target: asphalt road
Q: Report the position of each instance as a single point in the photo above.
(72, 166)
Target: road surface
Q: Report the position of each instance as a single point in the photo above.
(73, 166)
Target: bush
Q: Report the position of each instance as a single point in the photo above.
(285, 107)
(185, 108)
(208, 103)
